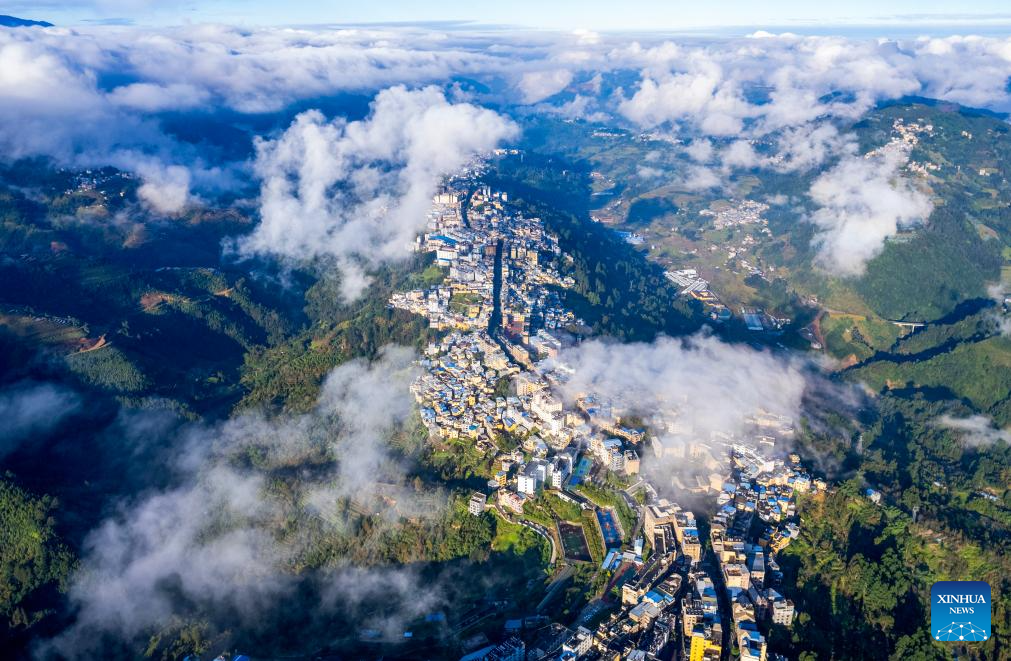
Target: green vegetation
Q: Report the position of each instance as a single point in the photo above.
(445, 533)
(976, 372)
(925, 274)
(929, 339)
(206, 339)
(853, 335)
(563, 509)
(32, 559)
(863, 574)
(430, 277)
(518, 540)
(594, 540)
(459, 459)
(925, 278)
(288, 375)
(461, 301)
(587, 582)
(179, 639)
(616, 291)
(547, 508)
(141, 315)
(107, 368)
(603, 497)
(647, 209)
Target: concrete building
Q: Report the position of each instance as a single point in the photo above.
(511, 649)
(736, 575)
(702, 645)
(751, 643)
(691, 614)
(580, 642)
(527, 384)
(561, 468)
(510, 500)
(526, 484)
(477, 503)
(691, 546)
(631, 462)
(657, 515)
(782, 612)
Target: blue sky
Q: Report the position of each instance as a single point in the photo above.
(884, 16)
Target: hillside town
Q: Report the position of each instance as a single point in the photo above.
(678, 586)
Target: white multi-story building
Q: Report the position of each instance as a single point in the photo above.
(610, 453)
(477, 503)
(782, 612)
(561, 468)
(579, 643)
(526, 484)
(544, 404)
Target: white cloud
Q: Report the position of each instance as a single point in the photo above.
(740, 154)
(647, 172)
(714, 385)
(536, 86)
(976, 430)
(862, 202)
(699, 177)
(580, 107)
(775, 82)
(55, 97)
(358, 192)
(703, 97)
(152, 97)
(809, 145)
(30, 409)
(87, 95)
(48, 102)
(999, 291)
(700, 150)
(165, 189)
(213, 539)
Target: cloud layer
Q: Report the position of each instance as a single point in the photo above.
(114, 95)
(30, 409)
(863, 200)
(102, 89)
(359, 192)
(714, 386)
(770, 82)
(213, 541)
(976, 430)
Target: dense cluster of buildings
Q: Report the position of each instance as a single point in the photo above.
(486, 380)
(755, 520)
(107, 182)
(676, 601)
(458, 385)
(905, 136)
(735, 213)
(500, 306)
(682, 603)
(497, 305)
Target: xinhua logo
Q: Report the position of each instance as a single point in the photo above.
(960, 611)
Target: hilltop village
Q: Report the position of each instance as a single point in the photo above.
(678, 586)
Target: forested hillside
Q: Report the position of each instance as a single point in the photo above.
(145, 332)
